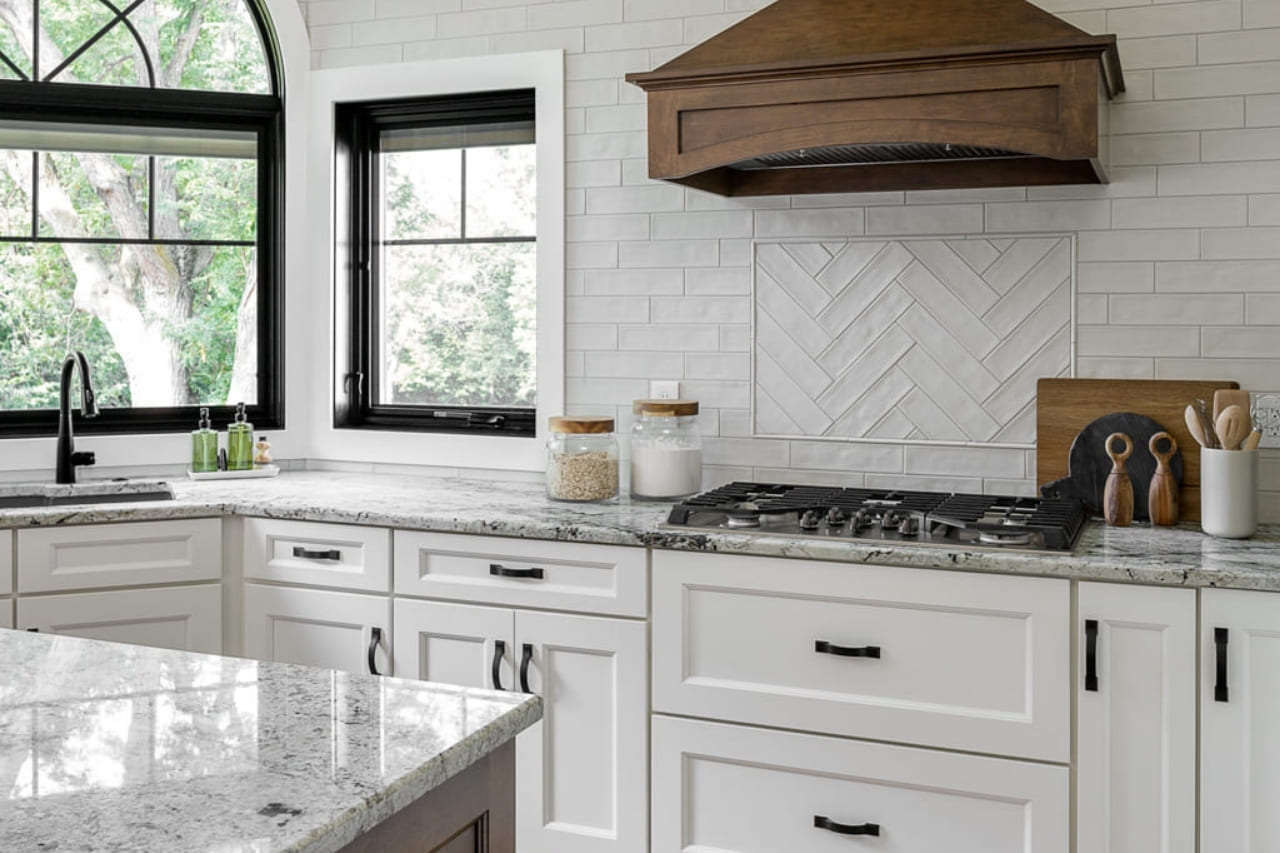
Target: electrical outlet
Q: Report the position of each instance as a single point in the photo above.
(1266, 417)
(664, 389)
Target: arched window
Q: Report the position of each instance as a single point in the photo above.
(141, 185)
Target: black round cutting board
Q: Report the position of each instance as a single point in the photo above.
(1090, 465)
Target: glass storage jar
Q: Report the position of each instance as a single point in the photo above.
(582, 459)
(666, 449)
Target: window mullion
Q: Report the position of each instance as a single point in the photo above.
(462, 194)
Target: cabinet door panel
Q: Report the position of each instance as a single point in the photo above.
(94, 556)
(1240, 737)
(6, 613)
(1136, 736)
(316, 627)
(188, 618)
(583, 770)
(453, 643)
(6, 562)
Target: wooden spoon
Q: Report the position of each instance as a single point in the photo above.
(1117, 497)
(1162, 497)
(1233, 426)
(1251, 443)
(1194, 427)
(1224, 397)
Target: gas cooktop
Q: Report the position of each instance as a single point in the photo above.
(877, 515)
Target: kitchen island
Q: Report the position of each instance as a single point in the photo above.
(105, 746)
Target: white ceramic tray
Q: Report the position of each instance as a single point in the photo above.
(250, 474)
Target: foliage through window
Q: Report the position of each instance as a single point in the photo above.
(443, 266)
(140, 188)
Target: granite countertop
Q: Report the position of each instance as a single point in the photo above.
(1180, 556)
(106, 746)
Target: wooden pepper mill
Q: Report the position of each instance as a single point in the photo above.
(1117, 498)
(1162, 498)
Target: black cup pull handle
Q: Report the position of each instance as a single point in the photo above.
(1091, 655)
(332, 554)
(1220, 691)
(499, 652)
(375, 638)
(504, 572)
(822, 822)
(823, 647)
(525, 660)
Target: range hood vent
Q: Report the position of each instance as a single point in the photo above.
(810, 96)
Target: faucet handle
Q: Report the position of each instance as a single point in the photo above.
(84, 457)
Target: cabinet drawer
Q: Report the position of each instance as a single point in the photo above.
(107, 555)
(735, 789)
(956, 660)
(6, 562)
(605, 579)
(338, 555)
(187, 618)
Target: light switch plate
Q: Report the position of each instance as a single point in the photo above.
(664, 389)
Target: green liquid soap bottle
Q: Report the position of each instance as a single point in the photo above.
(240, 442)
(204, 446)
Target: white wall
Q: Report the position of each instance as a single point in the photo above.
(1178, 259)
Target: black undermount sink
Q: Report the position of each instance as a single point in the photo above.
(27, 495)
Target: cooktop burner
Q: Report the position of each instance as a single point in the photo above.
(926, 518)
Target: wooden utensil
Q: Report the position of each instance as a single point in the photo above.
(1224, 397)
(1251, 443)
(1194, 427)
(1066, 406)
(1117, 501)
(1162, 497)
(1206, 424)
(1234, 426)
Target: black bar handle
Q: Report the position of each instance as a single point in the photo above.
(375, 637)
(826, 648)
(499, 652)
(1220, 690)
(525, 660)
(504, 572)
(821, 822)
(332, 554)
(1091, 655)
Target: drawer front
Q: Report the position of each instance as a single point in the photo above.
(962, 661)
(186, 618)
(97, 556)
(345, 556)
(606, 579)
(735, 789)
(6, 562)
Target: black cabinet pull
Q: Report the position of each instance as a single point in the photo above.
(1220, 640)
(504, 572)
(826, 648)
(375, 637)
(821, 822)
(1091, 655)
(525, 660)
(499, 652)
(333, 554)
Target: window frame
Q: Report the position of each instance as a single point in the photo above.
(183, 109)
(357, 126)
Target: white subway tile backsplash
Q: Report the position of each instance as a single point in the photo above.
(1154, 341)
(322, 13)
(1165, 116)
(670, 253)
(483, 22)
(1049, 216)
(1264, 210)
(1231, 145)
(1139, 245)
(648, 10)
(1184, 212)
(718, 281)
(965, 462)
(1263, 309)
(628, 36)
(591, 336)
(1176, 309)
(1159, 52)
(1248, 45)
(392, 30)
(581, 256)
(1241, 342)
(415, 51)
(810, 223)
(1219, 277)
(1091, 309)
(1261, 13)
(408, 8)
(1253, 373)
(635, 365)
(574, 13)
(698, 309)
(745, 451)
(606, 309)
(669, 338)
(703, 224)
(1262, 110)
(1201, 16)
(634, 282)
(1211, 81)
(1088, 367)
(657, 197)
(1123, 277)
(1240, 243)
(1155, 149)
(518, 42)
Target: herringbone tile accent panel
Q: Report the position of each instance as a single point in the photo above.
(915, 340)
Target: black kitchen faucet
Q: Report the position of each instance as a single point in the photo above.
(68, 459)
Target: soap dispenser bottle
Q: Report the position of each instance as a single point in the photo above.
(204, 446)
(240, 442)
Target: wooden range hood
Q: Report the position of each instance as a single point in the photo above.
(820, 96)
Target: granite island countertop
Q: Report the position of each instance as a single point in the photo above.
(1177, 556)
(106, 746)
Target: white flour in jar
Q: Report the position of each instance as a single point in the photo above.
(665, 471)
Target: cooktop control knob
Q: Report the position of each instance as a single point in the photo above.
(810, 520)
(858, 521)
(835, 517)
(909, 526)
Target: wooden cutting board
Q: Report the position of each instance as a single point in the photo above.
(1066, 406)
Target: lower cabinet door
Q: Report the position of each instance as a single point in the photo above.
(1136, 720)
(1239, 725)
(454, 643)
(317, 627)
(738, 789)
(582, 778)
(6, 613)
(187, 618)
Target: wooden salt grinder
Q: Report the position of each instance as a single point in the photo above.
(1162, 498)
(1117, 498)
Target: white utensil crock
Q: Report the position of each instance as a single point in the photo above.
(1229, 492)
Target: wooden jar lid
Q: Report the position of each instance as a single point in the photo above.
(665, 408)
(581, 424)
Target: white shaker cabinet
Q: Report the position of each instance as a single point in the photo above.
(6, 562)
(1239, 723)
(6, 613)
(582, 780)
(318, 627)
(1136, 722)
(188, 618)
